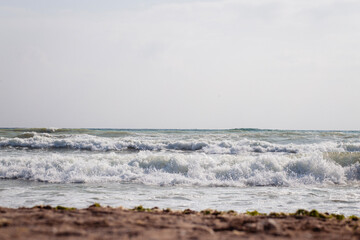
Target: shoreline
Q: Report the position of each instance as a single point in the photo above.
(96, 222)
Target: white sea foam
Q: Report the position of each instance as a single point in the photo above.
(206, 144)
(158, 168)
(228, 158)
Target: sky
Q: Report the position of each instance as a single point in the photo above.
(208, 64)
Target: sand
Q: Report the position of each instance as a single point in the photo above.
(117, 223)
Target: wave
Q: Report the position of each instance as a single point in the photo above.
(250, 129)
(33, 140)
(211, 144)
(169, 157)
(26, 135)
(352, 148)
(37, 130)
(20, 132)
(158, 168)
(343, 158)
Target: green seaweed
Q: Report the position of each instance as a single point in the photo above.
(338, 216)
(315, 213)
(354, 218)
(211, 211)
(206, 211)
(299, 212)
(302, 212)
(64, 208)
(96, 205)
(139, 208)
(255, 213)
(275, 214)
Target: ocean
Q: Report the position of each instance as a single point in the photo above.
(232, 169)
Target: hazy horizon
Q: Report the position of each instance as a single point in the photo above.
(205, 64)
(187, 129)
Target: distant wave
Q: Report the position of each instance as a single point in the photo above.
(37, 130)
(251, 129)
(96, 132)
(208, 145)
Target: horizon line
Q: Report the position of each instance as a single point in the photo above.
(183, 129)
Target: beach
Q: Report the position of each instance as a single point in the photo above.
(96, 222)
(203, 119)
(236, 171)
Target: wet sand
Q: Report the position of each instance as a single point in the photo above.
(117, 223)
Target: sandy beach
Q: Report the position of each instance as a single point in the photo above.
(44, 222)
(168, 119)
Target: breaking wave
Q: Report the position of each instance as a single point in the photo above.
(237, 157)
(179, 169)
(208, 144)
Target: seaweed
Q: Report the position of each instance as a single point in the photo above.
(354, 218)
(315, 213)
(231, 212)
(59, 207)
(255, 213)
(96, 205)
(206, 211)
(42, 206)
(275, 214)
(338, 216)
(188, 211)
(139, 208)
(301, 212)
(167, 210)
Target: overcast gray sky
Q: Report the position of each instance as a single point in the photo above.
(180, 64)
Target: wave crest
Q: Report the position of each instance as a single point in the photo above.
(179, 169)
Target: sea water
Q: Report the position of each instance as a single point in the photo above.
(235, 169)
